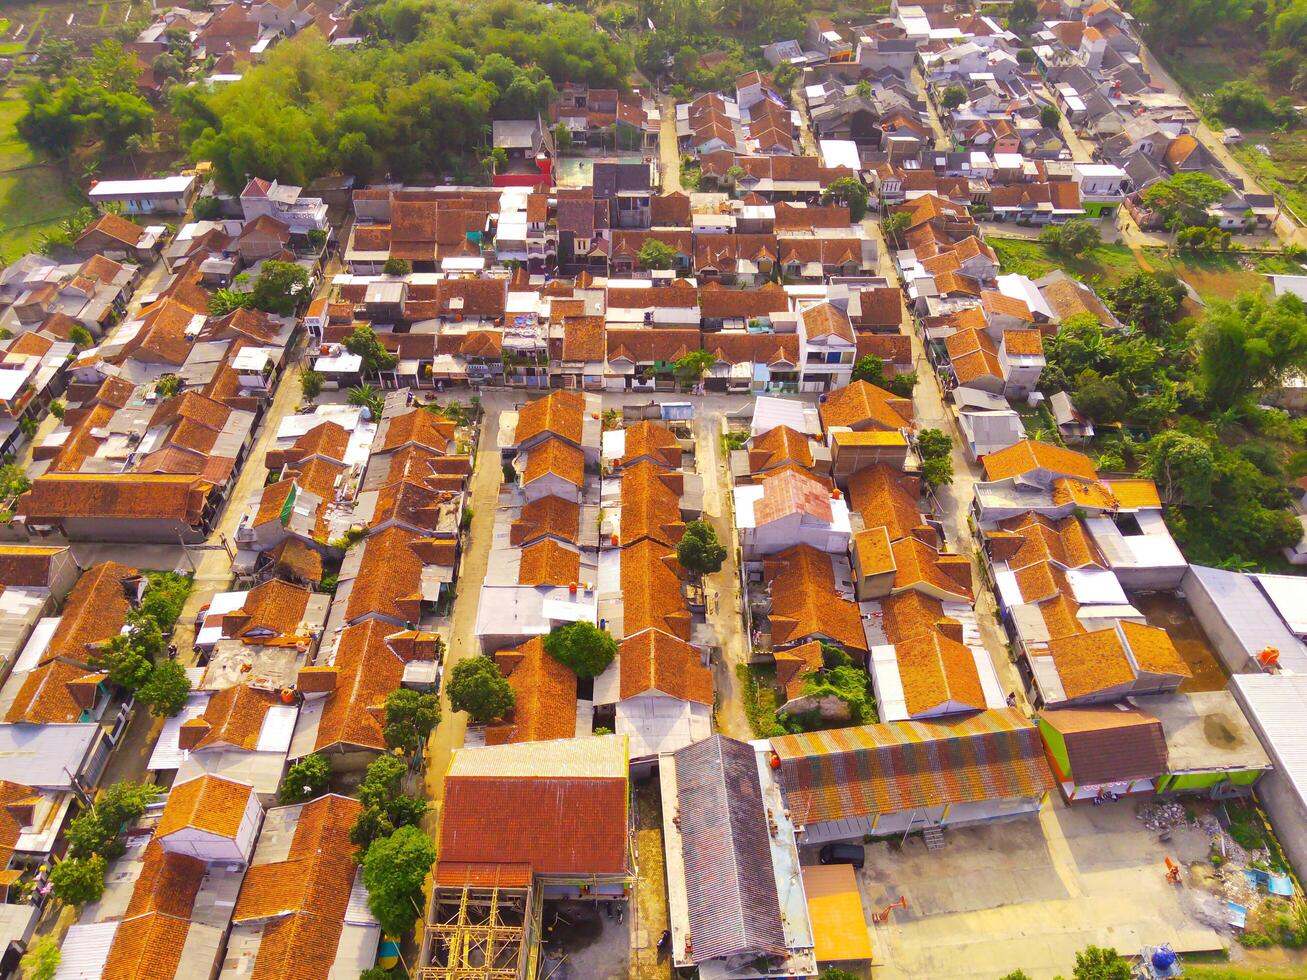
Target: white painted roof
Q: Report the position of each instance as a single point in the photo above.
(153, 185)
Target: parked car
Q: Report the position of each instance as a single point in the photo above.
(843, 854)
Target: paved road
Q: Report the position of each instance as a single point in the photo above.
(462, 642)
(942, 139)
(669, 155)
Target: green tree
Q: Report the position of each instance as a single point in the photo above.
(381, 782)
(206, 208)
(1099, 963)
(410, 717)
(394, 870)
(13, 482)
(224, 301)
(55, 57)
(80, 336)
(1182, 200)
(129, 657)
(562, 138)
(1148, 301)
(307, 779)
(57, 409)
(699, 550)
(1075, 238)
(280, 287)
(952, 97)
(655, 254)
(1015, 975)
(582, 647)
(1177, 22)
(165, 690)
(397, 267)
(165, 597)
(895, 225)
(1049, 116)
(936, 451)
(311, 384)
(1240, 102)
(41, 961)
(849, 191)
(1021, 14)
(1182, 466)
(693, 366)
(869, 368)
(835, 973)
(1102, 399)
(479, 688)
(366, 396)
(937, 471)
(316, 239)
(76, 881)
(363, 342)
(1251, 343)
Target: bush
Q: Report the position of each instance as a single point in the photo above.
(479, 688)
(206, 208)
(394, 870)
(582, 647)
(397, 267)
(305, 780)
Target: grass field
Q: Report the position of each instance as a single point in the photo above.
(33, 195)
(1212, 276)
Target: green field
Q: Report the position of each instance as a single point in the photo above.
(1211, 276)
(33, 195)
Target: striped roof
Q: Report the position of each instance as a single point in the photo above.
(857, 772)
(729, 882)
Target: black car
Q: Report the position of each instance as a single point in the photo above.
(843, 854)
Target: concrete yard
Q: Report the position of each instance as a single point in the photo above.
(1027, 894)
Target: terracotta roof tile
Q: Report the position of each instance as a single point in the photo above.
(549, 563)
(234, 716)
(556, 457)
(805, 603)
(777, 446)
(861, 406)
(788, 491)
(368, 669)
(1029, 455)
(886, 497)
(147, 945)
(1153, 650)
(919, 566)
(872, 550)
(652, 592)
(827, 320)
(545, 708)
(651, 440)
(418, 426)
(1088, 663)
(651, 504)
(937, 672)
(656, 661)
(1024, 342)
(560, 414)
(389, 577)
(546, 516)
(123, 496)
(583, 338)
(209, 803)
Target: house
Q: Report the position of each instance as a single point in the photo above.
(731, 852)
(157, 195)
(118, 506)
(1111, 749)
(875, 780)
(861, 407)
(1103, 187)
(788, 508)
(117, 238)
(302, 908)
(827, 348)
(284, 202)
(534, 850)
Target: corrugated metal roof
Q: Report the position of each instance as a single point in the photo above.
(1274, 705)
(85, 950)
(1249, 615)
(733, 903)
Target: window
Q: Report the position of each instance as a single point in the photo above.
(846, 357)
(815, 357)
(833, 357)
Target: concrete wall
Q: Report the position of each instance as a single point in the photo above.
(1222, 638)
(1287, 813)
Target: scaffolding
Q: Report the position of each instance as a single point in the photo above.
(477, 933)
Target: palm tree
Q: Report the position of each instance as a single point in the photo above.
(368, 397)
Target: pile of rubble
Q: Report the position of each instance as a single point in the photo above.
(1161, 816)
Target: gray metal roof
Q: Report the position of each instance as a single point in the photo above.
(729, 881)
(1249, 615)
(1274, 705)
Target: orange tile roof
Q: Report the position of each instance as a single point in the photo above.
(779, 445)
(168, 882)
(827, 320)
(368, 669)
(583, 338)
(652, 590)
(865, 406)
(1029, 455)
(995, 302)
(1024, 342)
(147, 945)
(651, 504)
(1135, 494)
(234, 717)
(795, 665)
(909, 614)
(313, 881)
(656, 661)
(872, 550)
(555, 457)
(271, 609)
(47, 694)
(973, 356)
(418, 426)
(303, 945)
(918, 565)
(560, 414)
(1059, 615)
(548, 563)
(389, 579)
(209, 803)
(805, 603)
(546, 516)
(1153, 650)
(115, 496)
(1083, 493)
(1088, 663)
(545, 708)
(935, 672)
(651, 440)
(94, 612)
(884, 496)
